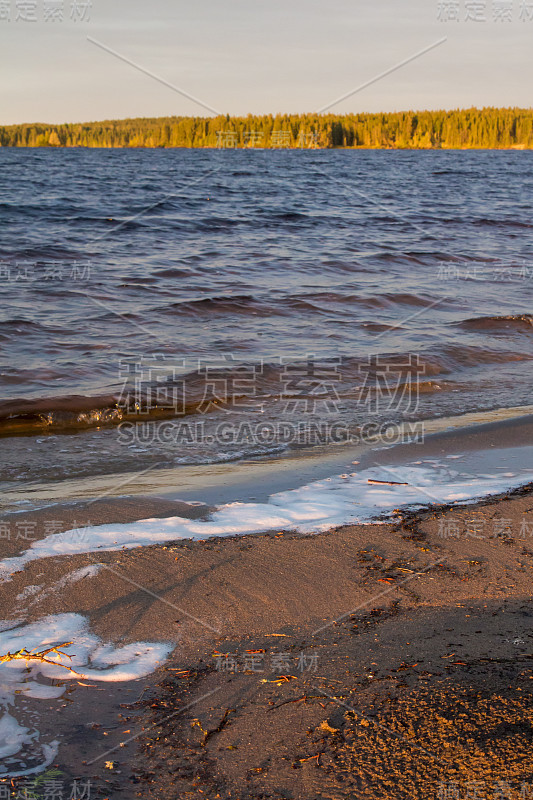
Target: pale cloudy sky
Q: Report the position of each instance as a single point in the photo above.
(259, 56)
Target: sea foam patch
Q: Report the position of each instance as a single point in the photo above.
(320, 505)
(32, 595)
(21, 748)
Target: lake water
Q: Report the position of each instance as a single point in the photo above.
(167, 307)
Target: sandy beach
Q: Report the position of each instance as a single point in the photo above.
(378, 660)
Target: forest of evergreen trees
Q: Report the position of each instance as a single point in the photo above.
(467, 128)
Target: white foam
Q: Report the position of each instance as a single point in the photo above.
(90, 659)
(48, 754)
(29, 591)
(32, 595)
(88, 656)
(79, 574)
(12, 736)
(320, 505)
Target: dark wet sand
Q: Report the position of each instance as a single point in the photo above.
(423, 679)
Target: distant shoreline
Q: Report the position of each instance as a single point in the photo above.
(464, 129)
(185, 147)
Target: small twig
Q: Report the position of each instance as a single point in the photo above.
(295, 700)
(220, 726)
(40, 655)
(387, 483)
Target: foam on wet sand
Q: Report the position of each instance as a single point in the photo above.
(90, 658)
(348, 498)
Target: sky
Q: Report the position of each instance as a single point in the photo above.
(254, 56)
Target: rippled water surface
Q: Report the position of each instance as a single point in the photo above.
(131, 265)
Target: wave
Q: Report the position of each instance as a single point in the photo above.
(173, 272)
(289, 216)
(513, 322)
(8, 327)
(491, 222)
(48, 253)
(315, 302)
(412, 300)
(459, 357)
(163, 394)
(454, 172)
(223, 304)
(22, 415)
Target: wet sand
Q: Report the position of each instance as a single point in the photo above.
(389, 659)
(255, 479)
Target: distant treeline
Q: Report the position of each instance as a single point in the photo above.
(468, 128)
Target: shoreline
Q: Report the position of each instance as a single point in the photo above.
(218, 482)
(407, 148)
(363, 598)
